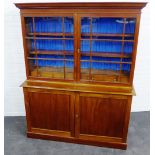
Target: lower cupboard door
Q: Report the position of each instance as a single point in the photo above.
(51, 113)
(102, 117)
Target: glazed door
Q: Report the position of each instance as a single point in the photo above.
(49, 46)
(105, 48)
(86, 48)
(101, 117)
(51, 112)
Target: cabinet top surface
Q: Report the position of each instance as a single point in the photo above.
(103, 5)
(73, 87)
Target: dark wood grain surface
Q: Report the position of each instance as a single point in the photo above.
(102, 116)
(115, 5)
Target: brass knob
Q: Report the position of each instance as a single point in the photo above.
(76, 115)
(115, 79)
(78, 51)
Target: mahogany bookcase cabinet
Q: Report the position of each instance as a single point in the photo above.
(80, 60)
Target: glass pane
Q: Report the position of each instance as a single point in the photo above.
(108, 69)
(32, 67)
(52, 69)
(105, 71)
(85, 46)
(69, 63)
(106, 46)
(128, 47)
(48, 24)
(54, 24)
(49, 66)
(50, 43)
(85, 25)
(107, 25)
(68, 25)
(85, 67)
(29, 25)
(30, 46)
(69, 46)
(130, 25)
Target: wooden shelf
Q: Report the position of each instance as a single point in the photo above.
(111, 40)
(46, 38)
(97, 54)
(107, 34)
(82, 34)
(100, 61)
(50, 34)
(100, 72)
(52, 52)
(109, 54)
(103, 61)
(58, 59)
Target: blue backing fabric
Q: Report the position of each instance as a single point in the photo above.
(99, 26)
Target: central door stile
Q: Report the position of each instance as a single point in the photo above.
(78, 46)
(75, 47)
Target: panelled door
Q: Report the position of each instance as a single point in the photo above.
(101, 117)
(50, 112)
(106, 45)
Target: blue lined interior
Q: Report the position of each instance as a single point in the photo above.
(107, 25)
(69, 62)
(53, 45)
(99, 26)
(51, 24)
(104, 65)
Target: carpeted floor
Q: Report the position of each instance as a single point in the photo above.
(16, 142)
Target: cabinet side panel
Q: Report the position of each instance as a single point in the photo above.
(127, 119)
(27, 109)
